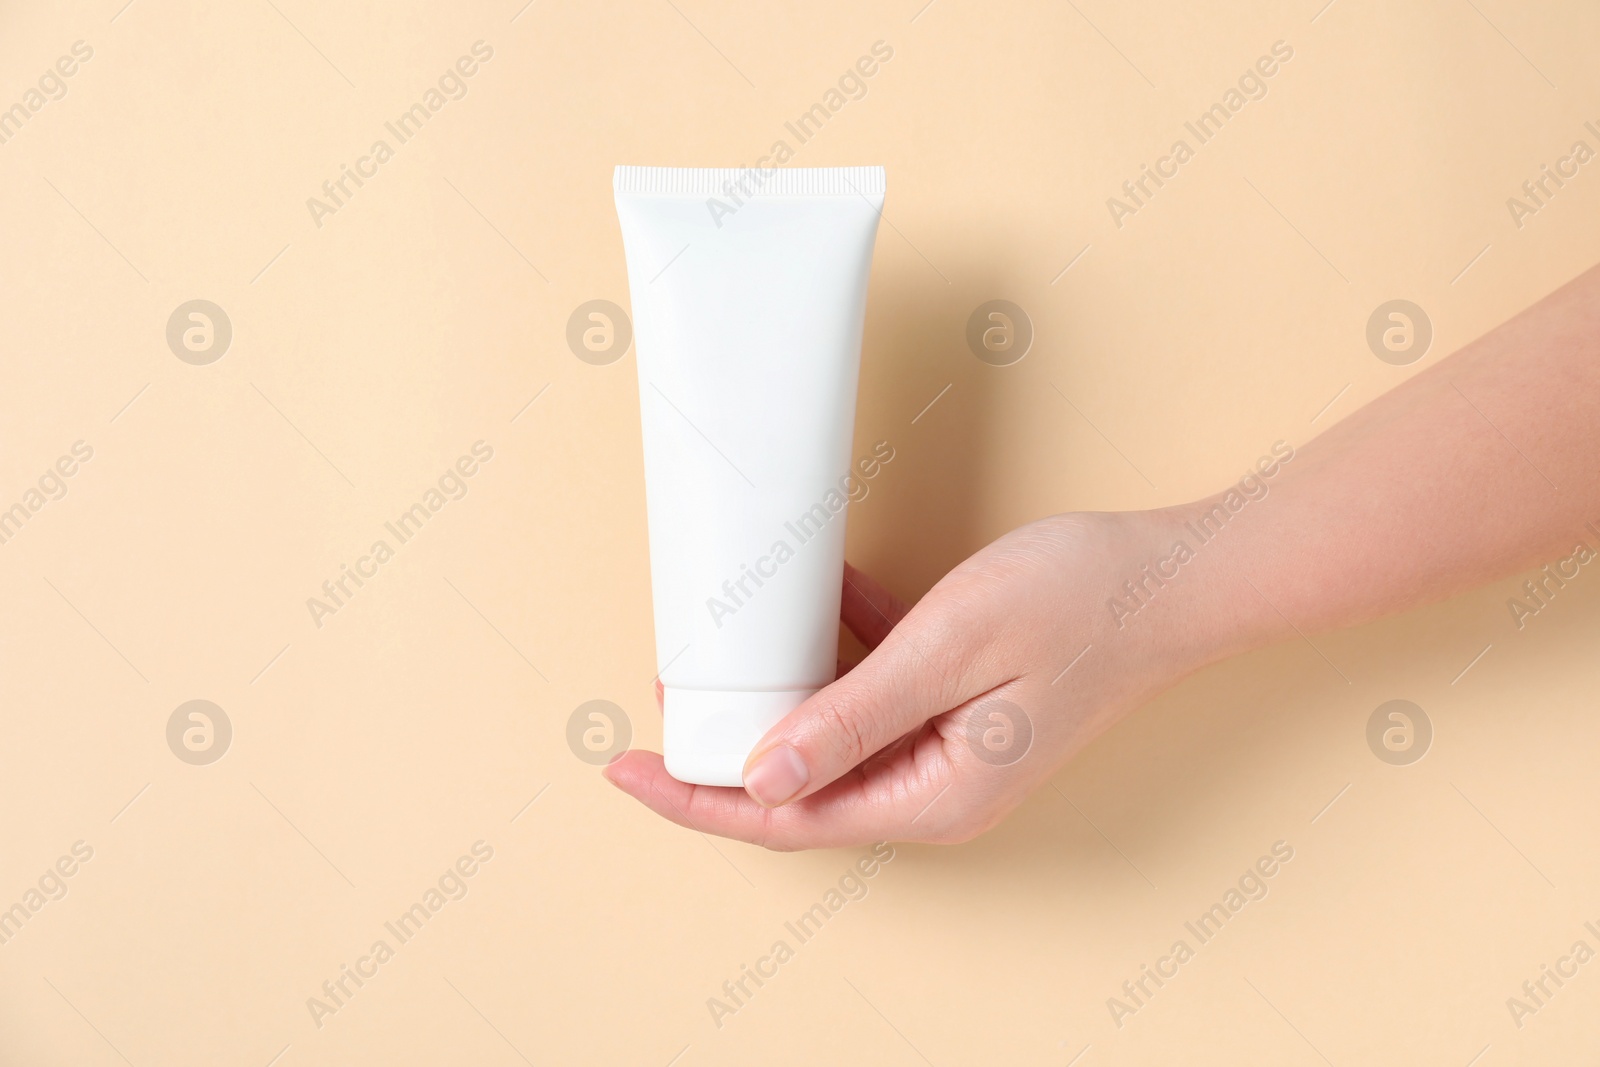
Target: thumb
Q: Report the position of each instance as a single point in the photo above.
(920, 670)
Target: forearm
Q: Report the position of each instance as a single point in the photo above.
(1484, 464)
(1487, 463)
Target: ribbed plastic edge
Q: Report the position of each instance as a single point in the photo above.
(749, 182)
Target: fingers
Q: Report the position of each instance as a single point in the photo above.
(889, 803)
(921, 669)
(867, 609)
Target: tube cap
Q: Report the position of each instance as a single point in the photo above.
(708, 734)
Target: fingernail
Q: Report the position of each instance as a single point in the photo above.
(776, 777)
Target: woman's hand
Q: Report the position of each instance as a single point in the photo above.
(966, 702)
(1480, 466)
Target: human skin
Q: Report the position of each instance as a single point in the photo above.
(1483, 465)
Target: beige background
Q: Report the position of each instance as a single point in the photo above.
(370, 352)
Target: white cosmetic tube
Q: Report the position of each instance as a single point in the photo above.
(749, 289)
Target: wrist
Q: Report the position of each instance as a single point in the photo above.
(1191, 588)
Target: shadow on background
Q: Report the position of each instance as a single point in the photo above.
(924, 392)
